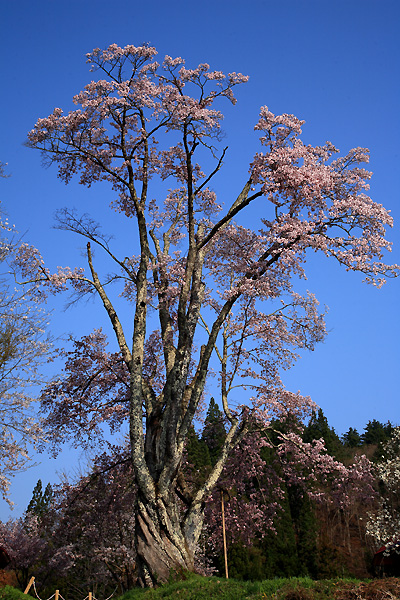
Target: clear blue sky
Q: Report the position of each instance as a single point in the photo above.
(334, 64)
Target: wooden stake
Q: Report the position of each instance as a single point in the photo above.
(30, 584)
(90, 595)
(56, 594)
(223, 535)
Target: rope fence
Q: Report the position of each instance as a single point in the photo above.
(57, 595)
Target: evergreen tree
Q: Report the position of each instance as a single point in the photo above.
(388, 431)
(280, 546)
(198, 454)
(40, 501)
(214, 431)
(318, 428)
(352, 439)
(376, 433)
(306, 530)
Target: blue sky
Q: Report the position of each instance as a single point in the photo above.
(334, 64)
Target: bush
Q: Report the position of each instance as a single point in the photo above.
(11, 593)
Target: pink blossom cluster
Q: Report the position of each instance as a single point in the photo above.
(91, 394)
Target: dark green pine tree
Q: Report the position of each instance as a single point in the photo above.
(318, 428)
(376, 433)
(40, 501)
(352, 439)
(305, 526)
(389, 428)
(198, 454)
(214, 432)
(280, 546)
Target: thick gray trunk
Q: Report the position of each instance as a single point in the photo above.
(166, 537)
(161, 545)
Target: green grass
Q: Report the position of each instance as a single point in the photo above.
(210, 588)
(194, 587)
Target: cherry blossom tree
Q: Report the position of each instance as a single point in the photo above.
(383, 525)
(352, 493)
(205, 290)
(28, 544)
(95, 524)
(24, 545)
(265, 470)
(24, 349)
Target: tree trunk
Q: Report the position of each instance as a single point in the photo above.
(161, 545)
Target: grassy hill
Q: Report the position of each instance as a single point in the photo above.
(210, 588)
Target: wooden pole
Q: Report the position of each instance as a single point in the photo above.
(28, 587)
(90, 595)
(224, 535)
(56, 594)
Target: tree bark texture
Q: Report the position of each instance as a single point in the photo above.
(162, 547)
